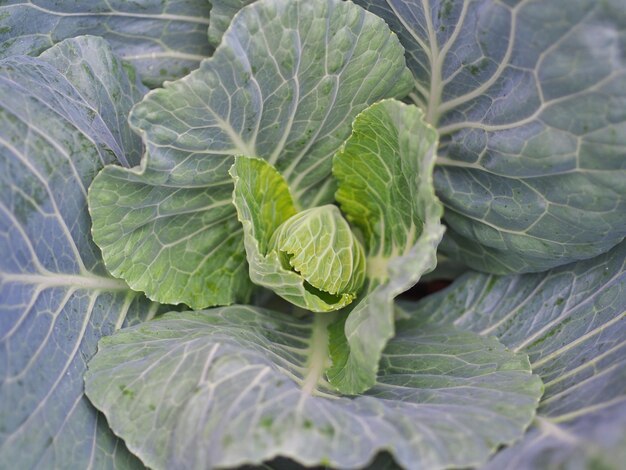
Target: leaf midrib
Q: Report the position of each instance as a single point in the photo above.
(81, 281)
(319, 354)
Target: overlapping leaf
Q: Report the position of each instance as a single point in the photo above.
(264, 203)
(571, 323)
(384, 174)
(384, 179)
(163, 39)
(62, 117)
(284, 85)
(529, 98)
(236, 385)
(222, 13)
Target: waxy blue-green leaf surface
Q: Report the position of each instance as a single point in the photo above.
(385, 189)
(284, 85)
(163, 39)
(62, 117)
(236, 385)
(222, 13)
(529, 98)
(571, 321)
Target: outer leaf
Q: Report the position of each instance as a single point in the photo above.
(62, 117)
(178, 242)
(163, 39)
(529, 98)
(264, 203)
(222, 13)
(284, 85)
(571, 322)
(236, 385)
(384, 173)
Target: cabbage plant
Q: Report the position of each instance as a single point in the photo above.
(211, 212)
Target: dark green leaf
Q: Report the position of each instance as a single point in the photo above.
(529, 98)
(62, 117)
(236, 385)
(571, 321)
(163, 39)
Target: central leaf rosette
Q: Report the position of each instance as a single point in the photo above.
(319, 245)
(320, 261)
(310, 258)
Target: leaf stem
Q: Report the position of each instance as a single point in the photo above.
(319, 356)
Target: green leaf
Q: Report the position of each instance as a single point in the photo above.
(236, 385)
(571, 321)
(179, 243)
(163, 39)
(222, 13)
(319, 244)
(384, 174)
(62, 117)
(530, 104)
(275, 233)
(284, 85)
(262, 199)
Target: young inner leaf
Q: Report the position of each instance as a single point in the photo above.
(319, 245)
